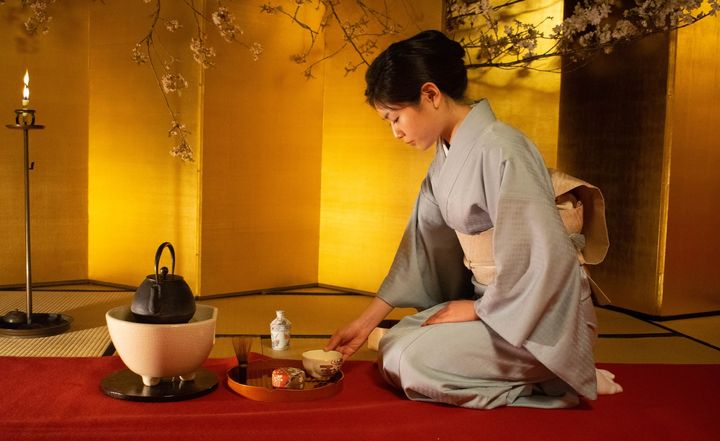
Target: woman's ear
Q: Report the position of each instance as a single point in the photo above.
(431, 92)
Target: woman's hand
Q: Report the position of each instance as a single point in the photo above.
(347, 340)
(455, 311)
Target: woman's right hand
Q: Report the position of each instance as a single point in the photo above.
(347, 340)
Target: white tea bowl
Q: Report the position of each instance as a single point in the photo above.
(156, 351)
(321, 364)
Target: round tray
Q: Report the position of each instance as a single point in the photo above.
(259, 383)
(127, 385)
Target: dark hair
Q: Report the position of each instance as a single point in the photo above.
(396, 75)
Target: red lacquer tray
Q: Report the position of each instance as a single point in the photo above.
(259, 383)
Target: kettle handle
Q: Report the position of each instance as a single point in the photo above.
(157, 258)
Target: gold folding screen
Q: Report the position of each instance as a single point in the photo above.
(138, 195)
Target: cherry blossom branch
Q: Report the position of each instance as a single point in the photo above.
(360, 34)
(595, 26)
(172, 81)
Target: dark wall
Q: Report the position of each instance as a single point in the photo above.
(612, 134)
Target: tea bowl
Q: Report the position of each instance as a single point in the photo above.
(321, 364)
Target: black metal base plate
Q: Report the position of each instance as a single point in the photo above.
(127, 385)
(42, 325)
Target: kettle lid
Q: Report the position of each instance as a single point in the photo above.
(164, 277)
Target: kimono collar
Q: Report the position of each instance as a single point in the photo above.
(447, 168)
(476, 121)
(480, 117)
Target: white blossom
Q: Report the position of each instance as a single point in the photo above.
(178, 129)
(39, 20)
(173, 82)
(255, 50)
(624, 30)
(173, 25)
(224, 20)
(183, 151)
(138, 56)
(203, 55)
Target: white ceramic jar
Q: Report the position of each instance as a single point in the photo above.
(280, 331)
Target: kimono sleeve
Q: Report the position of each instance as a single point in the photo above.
(536, 288)
(428, 266)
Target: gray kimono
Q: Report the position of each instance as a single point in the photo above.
(533, 343)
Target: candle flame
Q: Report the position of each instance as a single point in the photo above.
(26, 88)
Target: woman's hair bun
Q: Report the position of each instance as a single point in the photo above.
(451, 47)
(397, 74)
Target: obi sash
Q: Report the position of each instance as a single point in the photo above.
(582, 209)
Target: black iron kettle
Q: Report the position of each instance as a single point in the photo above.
(163, 297)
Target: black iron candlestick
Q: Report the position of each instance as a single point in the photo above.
(26, 324)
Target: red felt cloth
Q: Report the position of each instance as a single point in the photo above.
(60, 398)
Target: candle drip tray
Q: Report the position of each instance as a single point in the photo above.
(41, 325)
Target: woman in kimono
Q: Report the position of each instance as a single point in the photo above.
(506, 315)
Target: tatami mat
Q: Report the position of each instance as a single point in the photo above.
(62, 301)
(316, 312)
(706, 329)
(87, 336)
(613, 322)
(671, 350)
(623, 338)
(261, 345)
(73, 343)
(309, 314)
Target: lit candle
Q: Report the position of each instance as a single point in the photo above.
(26, 89)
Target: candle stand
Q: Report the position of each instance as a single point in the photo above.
(28, 324)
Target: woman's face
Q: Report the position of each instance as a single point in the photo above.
(414, 124)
